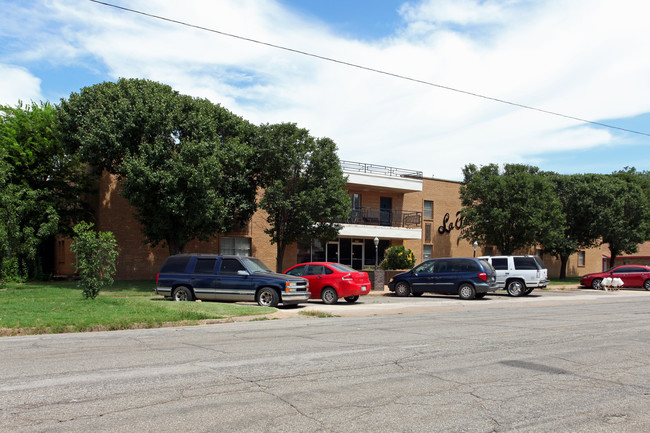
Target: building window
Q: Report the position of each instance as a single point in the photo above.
(236, 246)
(427, 233)
(581, 258)
(311, 252)
(428, 209)
(355, 201)
(427, 252)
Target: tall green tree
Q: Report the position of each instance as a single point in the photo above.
(303, 196)
(581, 196)
(110, 120)
(185, 164)
(26, 221)
(625, 213)
(41, 184)
(512, 210)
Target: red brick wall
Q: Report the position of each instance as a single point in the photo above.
(138, 260)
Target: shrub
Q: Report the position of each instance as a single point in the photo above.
(96, 255)
(397, 257)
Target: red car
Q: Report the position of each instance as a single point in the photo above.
(331, 281)
(632, 276)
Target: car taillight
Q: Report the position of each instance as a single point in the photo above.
(157, 278)
(347, 277)
(483, 276)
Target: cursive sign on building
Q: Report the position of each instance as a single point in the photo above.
(448, 226)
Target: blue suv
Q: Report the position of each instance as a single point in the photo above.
(467, 277)
(210, 277)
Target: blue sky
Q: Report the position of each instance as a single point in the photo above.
(583, 58)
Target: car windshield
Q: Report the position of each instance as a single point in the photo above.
(342, 268)
(255, 265)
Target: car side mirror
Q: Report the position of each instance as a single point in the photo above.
(243, 273)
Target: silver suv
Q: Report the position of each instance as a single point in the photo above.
(519, 275)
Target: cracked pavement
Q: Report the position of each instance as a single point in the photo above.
(570, 362)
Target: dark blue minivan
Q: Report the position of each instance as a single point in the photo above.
(467, 277)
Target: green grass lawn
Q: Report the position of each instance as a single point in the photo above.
(569, 281)
(41, 308)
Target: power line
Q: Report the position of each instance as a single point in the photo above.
(365, 68)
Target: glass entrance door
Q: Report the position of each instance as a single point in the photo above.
(357, 255)
(332, 252)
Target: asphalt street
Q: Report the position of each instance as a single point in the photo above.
(554, 362)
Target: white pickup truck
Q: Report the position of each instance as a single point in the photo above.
(519, 275)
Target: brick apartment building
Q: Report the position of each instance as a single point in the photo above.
(394, 206)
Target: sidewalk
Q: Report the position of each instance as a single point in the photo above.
(547, 289)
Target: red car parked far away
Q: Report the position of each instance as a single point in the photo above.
(331, 281)
(632, 276)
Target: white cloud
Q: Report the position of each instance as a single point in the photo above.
(580, 58)
(18, 84)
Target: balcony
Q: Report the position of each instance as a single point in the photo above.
(384, 223)
(360, 167)
(385, 217)
(380, 177)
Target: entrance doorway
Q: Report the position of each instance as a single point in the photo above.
(358, 254)
(332, 252)
(385, 210)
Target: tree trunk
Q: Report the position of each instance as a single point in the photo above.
(612, 261)
(564, 259)
(175, 247)
(280, 256)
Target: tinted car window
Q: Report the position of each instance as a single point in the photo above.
(527, 263)
(298, 271)
(441, 266)
(424, 268)
(500, 263)
(205, 266)
(460, 265)
(175, 265)
(486, 265)
(231, 266)
(315, 270)
(638, 269)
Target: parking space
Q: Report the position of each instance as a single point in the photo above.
(387, 303)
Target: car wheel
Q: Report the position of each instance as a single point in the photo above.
(267, 297)
(402, 289)
(597, 284)
(516, 288)
(466, 291)
(329, 295)
(182, 293)
(480, 295)
(528, 291)
(351, 299)
(646, 284)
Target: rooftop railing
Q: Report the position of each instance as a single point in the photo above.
(362, 167)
